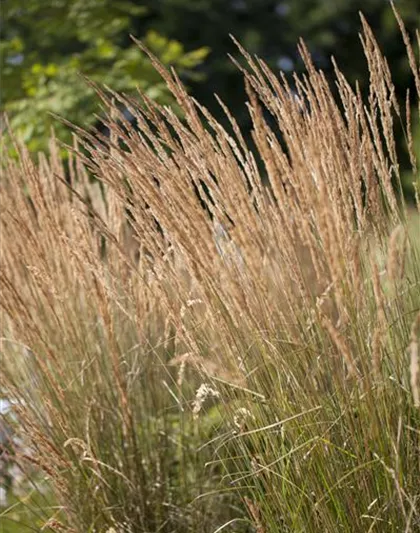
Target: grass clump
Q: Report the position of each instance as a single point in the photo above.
(248, 366)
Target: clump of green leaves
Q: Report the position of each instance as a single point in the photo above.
(47, 49)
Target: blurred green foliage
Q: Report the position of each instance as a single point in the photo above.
(271, 29)
(46, 46)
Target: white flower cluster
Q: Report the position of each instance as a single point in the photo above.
(203, 392)
(241, 416)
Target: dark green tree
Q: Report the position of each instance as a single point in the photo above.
(271, 29)
(46, 46)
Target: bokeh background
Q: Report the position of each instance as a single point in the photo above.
(48, 47)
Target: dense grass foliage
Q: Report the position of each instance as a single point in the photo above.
(249, 365)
